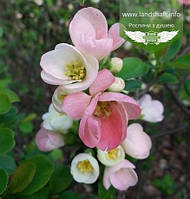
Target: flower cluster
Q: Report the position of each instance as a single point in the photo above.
(95, 97)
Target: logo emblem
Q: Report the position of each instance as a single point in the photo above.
(151, 37)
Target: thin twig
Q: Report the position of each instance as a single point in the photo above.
(170, 132)
(177, 100)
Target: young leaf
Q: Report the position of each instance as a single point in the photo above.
(6, 140)
(44, 170)
(132, 68)
(3, 180)
(60, 180)
(5, 104)
(22, 177)
(168, 78)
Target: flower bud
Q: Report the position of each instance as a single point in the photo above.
(84, 168)
(116, 64)
(55, 121)
(118, 85)
(110, 158)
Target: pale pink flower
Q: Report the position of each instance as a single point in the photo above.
(48, 140)
(68, 67)
(185, 2)
(152, 110)
(104, 115)
(121, 176)
(137, 144)
(89, 33)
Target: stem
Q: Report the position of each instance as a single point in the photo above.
(171, 131)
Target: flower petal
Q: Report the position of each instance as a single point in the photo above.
(49, 79)
(110, 171)
(47, 140)
(75, 104)
(130, 104)
(123, 179)
(94, 17)
(138, 143)
(103, 81)
(113, 128)
(89, 130)
(114, 34)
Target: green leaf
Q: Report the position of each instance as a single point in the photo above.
(6, 140)
(182, 62)
(103, 193)
(42, 194)
(168, 78)
(70, 195)
(3, 180)
(173, 50)
(132, 68)
(60, 180)
(7, 163)
(22, 177)
(56, 154)
(13, 97)
(26, 127)
(187, 86)
(44, 170)
(5, 104)
(132, 85)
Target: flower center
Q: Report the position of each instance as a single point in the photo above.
(103, 109)
(62, 97)
(112, 155)
(85, 166)
(75, 70)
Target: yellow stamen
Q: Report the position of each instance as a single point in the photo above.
(75, 70)
(103, 109)
(85, 166)
(113, 154)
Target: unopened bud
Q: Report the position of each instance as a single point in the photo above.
(118, 85)
(116, 64)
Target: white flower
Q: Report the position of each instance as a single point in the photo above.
(58, 98)
(118, 85)
(110, 158)
(116, 64)
(67, 66)
(39, 2)
(55, 121)
(84, 168)
(152, 110)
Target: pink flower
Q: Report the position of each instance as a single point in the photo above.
(185, 2)
(152, 110)
(104, 115)
(137, 143)
(89, 33)
(48, 140)
(121, 176)
(68, 67)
